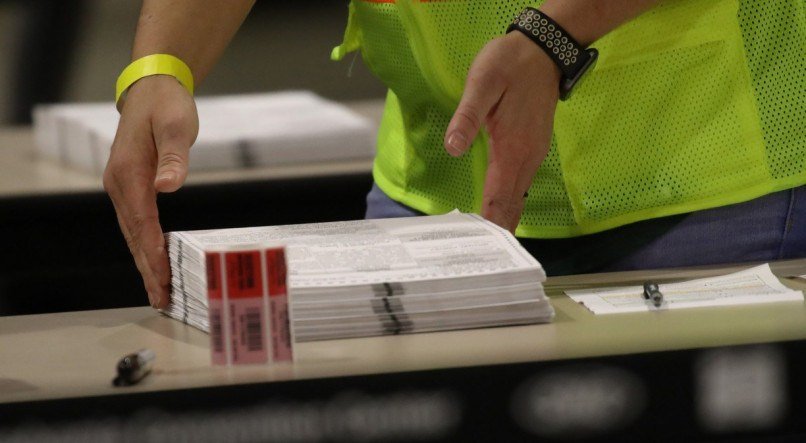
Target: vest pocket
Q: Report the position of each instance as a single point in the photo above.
(667, 123)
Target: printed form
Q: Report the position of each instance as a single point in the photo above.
(369, 277)
(754, 285)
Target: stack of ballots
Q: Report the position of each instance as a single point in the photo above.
(235, 132)
(376, 277)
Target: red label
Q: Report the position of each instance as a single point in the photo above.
(244, 279)
(245, 326)
(213, 275)
(215, 305)
(276, 271)
(248, 323)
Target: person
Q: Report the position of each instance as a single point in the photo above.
(683, 146)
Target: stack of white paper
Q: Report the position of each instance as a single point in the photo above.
(374, 277)
(755, 285)
(235, 132)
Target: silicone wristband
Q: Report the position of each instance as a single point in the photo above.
(154, 64)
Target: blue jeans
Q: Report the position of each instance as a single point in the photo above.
(772, 227)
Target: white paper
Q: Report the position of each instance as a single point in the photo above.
(371, 277)
(754, 285)
(235, 131)
(390, 250)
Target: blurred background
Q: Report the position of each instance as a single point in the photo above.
(63, 250)
(73, 50)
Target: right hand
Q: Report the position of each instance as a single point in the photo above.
(158, 124)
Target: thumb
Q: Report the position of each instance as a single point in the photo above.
(477, 101)
(173, 141)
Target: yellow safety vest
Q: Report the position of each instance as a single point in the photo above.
(695, 104)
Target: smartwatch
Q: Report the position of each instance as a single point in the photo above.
(574, 61)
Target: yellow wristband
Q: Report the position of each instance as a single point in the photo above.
(154, 64)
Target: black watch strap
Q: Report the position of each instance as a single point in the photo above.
(566, 52)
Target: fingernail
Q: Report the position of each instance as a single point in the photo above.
(457, 142)
(167, 176)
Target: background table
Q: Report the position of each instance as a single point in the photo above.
(58, 367)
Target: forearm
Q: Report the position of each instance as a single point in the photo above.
(195, 31)
(589, 20)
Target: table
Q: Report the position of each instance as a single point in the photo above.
(23, 174)
(59, 366)
(66, 234)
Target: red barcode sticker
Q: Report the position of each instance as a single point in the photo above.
(282, 341)
(215, 305)
(244, 276)
(248, 306)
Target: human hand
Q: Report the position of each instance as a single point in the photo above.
(512, 89)
(158, 124)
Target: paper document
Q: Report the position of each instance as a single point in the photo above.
(754, 285)
(235, 131)
(372, 277)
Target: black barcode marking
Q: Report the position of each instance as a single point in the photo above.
(247, 271)
(254, 330)
(213, 280)
(216, 331)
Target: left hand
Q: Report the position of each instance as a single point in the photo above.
(512, 89)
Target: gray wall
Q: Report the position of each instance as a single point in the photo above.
(282, 45)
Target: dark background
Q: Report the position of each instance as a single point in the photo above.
(65, 252)
(73, 50)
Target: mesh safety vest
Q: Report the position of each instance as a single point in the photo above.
(695, 104)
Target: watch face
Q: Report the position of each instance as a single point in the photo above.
(568, 85)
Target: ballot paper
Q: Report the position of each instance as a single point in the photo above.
(375, 277)
(754, 285)
(235, 131)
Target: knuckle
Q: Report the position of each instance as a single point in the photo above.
(486, 78)
(489, 78)
(171, 160)
(108, 181)
(112, 175)
(175, 128)
(119, 176)
(470, 114)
